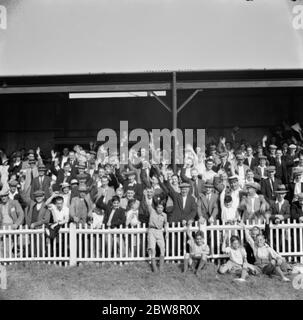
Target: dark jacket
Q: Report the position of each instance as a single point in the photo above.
(178, 213)
(43, 217)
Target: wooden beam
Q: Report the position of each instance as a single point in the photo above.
(188, 99)
(155, 86)
(239, 84)
(160, 86)
(161, 101)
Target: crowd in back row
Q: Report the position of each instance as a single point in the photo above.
(93, 187)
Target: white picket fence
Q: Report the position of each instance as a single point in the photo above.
(75, 246)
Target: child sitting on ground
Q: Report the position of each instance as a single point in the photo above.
(237, 259)
(268, 261)
(197, 258)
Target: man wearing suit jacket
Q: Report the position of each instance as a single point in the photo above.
(272, 154)
(64, 176)
(250, 160)
(36, 213)
(208, 204)
(81, 206)
(270, 185)
(297, 209)
(196, 184)
(42, 182)
(73, 164)
(11, 213)
(296, 187)
(260, 171)
(224, 165)
(240, 169)
(280, 208)
(281, 168)
(114, 215)
(184, 204)
(131, 182)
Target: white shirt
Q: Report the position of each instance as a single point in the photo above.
(253, 202)
(12, 195)
(64, 159)
(62, 216)
(241, 175)
(184, 201)
(110, 217)
(280, 204)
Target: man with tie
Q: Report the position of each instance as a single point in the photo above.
(250, 160)
(114, 217)
(195, 182)
(260, 171)
(272, 154)
(224, 165)
(240, 169)
(208, 204)
(280, 208)
(270, 185)
(42, 182)
(105, 191)
(296, 187)
(80, 206)
(281, 168)
(184, 204)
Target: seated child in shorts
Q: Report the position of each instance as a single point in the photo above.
(237, 259)
(197, 258)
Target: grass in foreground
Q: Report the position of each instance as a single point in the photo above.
(136, 281)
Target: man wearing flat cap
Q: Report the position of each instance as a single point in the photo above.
(16, 194)
(11, 213)
(224, 165)
(81, 206)
(42, 182)
(280, 207)
(36, 213)
(270, 185)
(208, 204)
(130, 181)
(253, 206)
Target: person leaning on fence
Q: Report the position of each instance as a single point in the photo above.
(208, 204)
(59, 216)
(80, 206)
(157, 221)
(114, 217)
(37, 213)
(237, 259)
(198, 251)
(268, 261)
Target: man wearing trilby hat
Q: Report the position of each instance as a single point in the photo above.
(280, 208)
(42, 182)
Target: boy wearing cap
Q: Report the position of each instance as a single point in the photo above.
(270, 185)
(42, 182)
